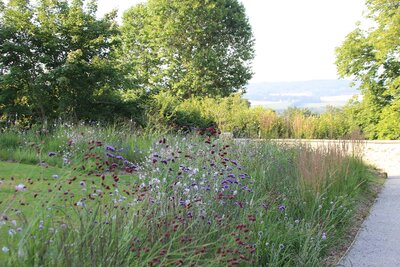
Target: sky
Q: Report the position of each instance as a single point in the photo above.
(295, 40)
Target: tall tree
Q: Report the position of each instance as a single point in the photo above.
(55, 57)
(188, 47)
(372, 57)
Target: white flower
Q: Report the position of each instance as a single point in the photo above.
(5, 249)
(55, 176)
(14, 222)
(20, 187)
(323, 236)
(11, 232)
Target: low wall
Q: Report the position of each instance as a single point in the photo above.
(383, 154)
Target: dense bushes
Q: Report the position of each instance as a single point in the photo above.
(165, 113)
(234, 114)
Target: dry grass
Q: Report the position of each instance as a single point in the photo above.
(320, 164)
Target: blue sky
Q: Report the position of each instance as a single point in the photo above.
(295, 40)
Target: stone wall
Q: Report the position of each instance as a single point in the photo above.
(382, 154)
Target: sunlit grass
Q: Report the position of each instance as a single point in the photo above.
(175, 200)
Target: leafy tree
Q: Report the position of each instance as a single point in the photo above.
(55, 58)
(372, 57)
(187, 47)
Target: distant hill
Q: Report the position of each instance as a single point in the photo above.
(315, 94)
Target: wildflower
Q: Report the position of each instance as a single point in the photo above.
(110, 148)
(323, 236)
(41, 226)
(63, 226)
(20, 188)
(55, 176)
(14, 222)
(114, 165)
(282, 207)
(119, 157)
(5, 249)
(19, 229)
(51, 154)
(11, 232)
(82, 183)
(110, 155)
(297, 221)
(281, 246)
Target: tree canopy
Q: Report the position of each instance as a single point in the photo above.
(187, 47)
(55, 58)
(372, 57)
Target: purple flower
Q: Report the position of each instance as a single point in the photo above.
(282, 207)
(239, 204)
(111, 148)
(119, 157)
(108, 154)
(52, 154)
(20, 188)
(234, 162)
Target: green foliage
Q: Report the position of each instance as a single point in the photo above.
(188, 48)
(283, 206)
(372, 58)
(56, 59)
(234, 114)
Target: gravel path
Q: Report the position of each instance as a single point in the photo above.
(378, 242)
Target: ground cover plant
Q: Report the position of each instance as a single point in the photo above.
(121, 199)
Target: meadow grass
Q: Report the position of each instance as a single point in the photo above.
(124, 199)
